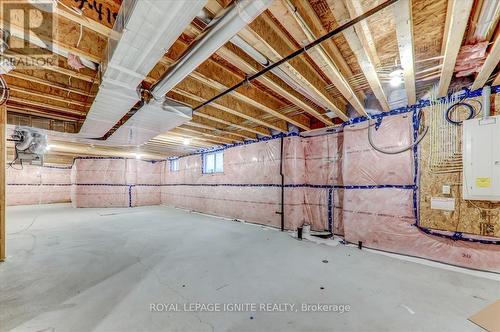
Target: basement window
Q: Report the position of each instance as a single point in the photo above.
(174, 165)
(213, 162)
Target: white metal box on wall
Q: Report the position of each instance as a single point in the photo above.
(481, 159)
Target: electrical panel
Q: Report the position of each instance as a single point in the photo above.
(481, 159)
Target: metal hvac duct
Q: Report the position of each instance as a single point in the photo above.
(143, 32)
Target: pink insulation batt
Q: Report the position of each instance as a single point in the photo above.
(37, 185)
(115, 182)
(332, 180)
(243, 191)
(384, 218)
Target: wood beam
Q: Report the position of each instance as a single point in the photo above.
(205, 123)
(319, 54)
(363, 30)
(195, 90)
(250, 95)
(265, 36)
(45, 105)
(57, 68)
(214, 137)
(223, 78)
(214, 114)
(49, 83)
(85, 21)
(459, 16)
(488, 66)
(404, 33)
(229, 134)
(364, 59)
(3, 161)
(16, 29)
(230, 54)
(41, 113)
(48, 96)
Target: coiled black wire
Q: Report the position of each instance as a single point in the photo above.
(472, 112)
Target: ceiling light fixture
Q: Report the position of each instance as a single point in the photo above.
(396, 76)
(186, 141)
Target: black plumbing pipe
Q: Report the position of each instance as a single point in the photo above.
(282, 187)
(299, 51)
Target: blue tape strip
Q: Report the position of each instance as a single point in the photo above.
(129, 196)
(330, 210)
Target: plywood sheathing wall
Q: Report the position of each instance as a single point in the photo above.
(466, 218)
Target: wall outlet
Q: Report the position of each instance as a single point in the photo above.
(446, 189)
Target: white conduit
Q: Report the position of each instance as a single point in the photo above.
(445, 148)
(219, 32)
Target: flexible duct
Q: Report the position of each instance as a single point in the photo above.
(220, 31)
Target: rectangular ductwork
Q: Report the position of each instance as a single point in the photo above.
(152, 119)
(143, 33)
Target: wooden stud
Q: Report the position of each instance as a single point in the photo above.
(459, 16)
(404, 33)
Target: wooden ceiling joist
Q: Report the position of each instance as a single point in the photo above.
(230, 55)
(42, 113)
(49, 83)
(266, 37)
(251, 96)
(19, 31)
(195, 90)
(363, 30)
(210, 135)
(44, 105)
(216, 126)
(362, 55)
(217, 115)
(404, 33)
(298, 10)
(459, 16)
(47, 96)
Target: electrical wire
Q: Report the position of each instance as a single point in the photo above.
(423, 132)
(472, 113)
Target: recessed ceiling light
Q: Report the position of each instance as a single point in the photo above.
(186, 141)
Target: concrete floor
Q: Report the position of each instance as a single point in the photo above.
(100, 269)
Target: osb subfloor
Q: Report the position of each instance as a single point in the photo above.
(101, 269)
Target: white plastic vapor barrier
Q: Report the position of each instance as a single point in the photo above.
(151, 119)
(220, 31)
(143, 33)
